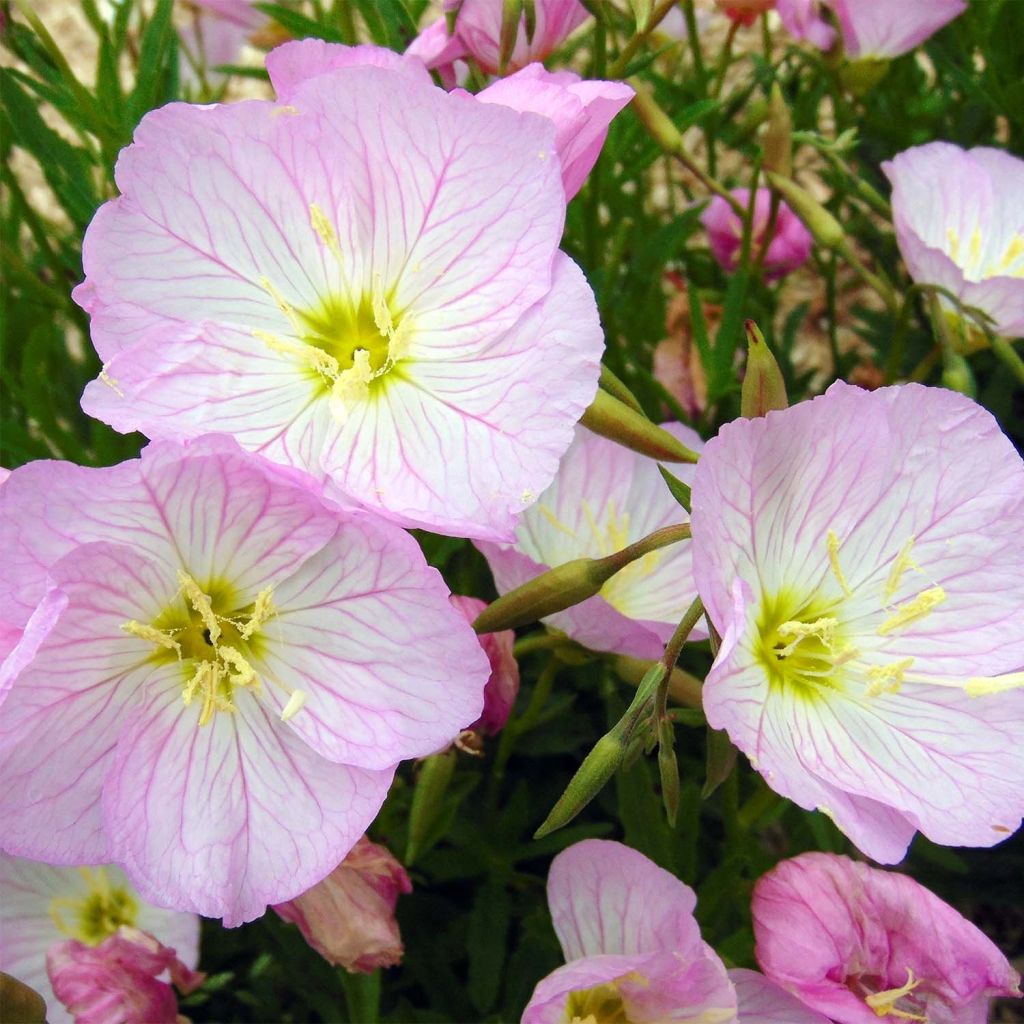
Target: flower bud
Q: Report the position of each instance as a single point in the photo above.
(777, 148)
(668, 769)
(615, 420)
(21, 1003)
(435, 773)
(763, 386)
(825, 229)
(610, 382)
(597, 768)
(349, 917)
(503, 685)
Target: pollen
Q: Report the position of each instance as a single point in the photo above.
(913, 610)
(833, 561)
(201, 603)
(325, 230)
(262, 612)
(823, 629)
(887, 678)
(884, 1003)
(157, 637)
(111, 383)
(902, 563)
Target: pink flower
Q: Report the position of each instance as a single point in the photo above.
(218, 673)
(215, 34)
(363, 284)
(959, 218)
(503, 686)
(632, 946)
(604, 498)
(118, 980)
(745, 12)
(478, 34)
(41, 907)
(803, 19)
(788, 248)
(349, 917)
(761, 1001)
(860, 944)
(860, 555)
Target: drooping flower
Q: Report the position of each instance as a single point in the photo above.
(349, 917)
(632, 947)
(503, 686)
(761, 1001)
(788, 247)
(120, 979)
(603, 498)
(860, 555)
(218, 673)
(341, 284)
(860, 944)
(477, 34)
(41, 907)
(959, 217)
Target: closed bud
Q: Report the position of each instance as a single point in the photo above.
(721, 760)
(668, 769)
(511, 11)
(613, 385)
(777, 149)
(598, 767)
(658, 124)
(763, 386)
(824, 228)
(614, 419)
(428, 800)
(530, 19)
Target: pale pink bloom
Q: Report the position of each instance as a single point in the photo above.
(363, 284)
(119, 981)
(215, 33)
(218, 673)
(503, 686)
(788, 248)
(632, 947)
(581, 111)
(349, 917)
(440, 52)
(860, 555)
(860, 944)
(803, 19)
(604, 498)
(959, 217)
(762, 1001)
(478, 34)
(42, 906)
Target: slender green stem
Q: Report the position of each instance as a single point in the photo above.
(541, 642)
(621, 63)
(362, 996)
(724, 59)
(1009, 356)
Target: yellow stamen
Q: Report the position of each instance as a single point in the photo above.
(324, 229)
(111, 383)
(351, 385)
(557, 523)
(887, 678)
(884, 1003)
(242, 672)
(984, 686)
(159, 637)
(902, 563)
(953, 237)
(316, 359)
(263, 610)
(913, 610)
(294, 705)
(833, 559)
(201, 603)
(974, 246)
(823, 629)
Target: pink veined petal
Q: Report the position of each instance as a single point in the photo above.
(226, 818)
(63, 713)
(292, 63)
(504, 406)
(438, 50)
(880, 29)
(607, 898)
(365, 629)
(761, 1001)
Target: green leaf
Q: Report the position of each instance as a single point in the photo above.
(487, 941)
(680, 491)
(299, 25)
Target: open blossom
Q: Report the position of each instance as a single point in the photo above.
(120, 979)
(860, 944)
(604, 498)
(804, 19)
(632, 947)
(42, 907)
(503, 686)
(218, 673)
(349, 917)
(788, 247)
(477, 34)
(363, 283)
(959, 217)
(860, 555)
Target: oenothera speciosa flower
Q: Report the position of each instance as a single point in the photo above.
(860, 944)
(42, 907)
(362, 282)
(217, 675)
(633, 949)
(604, 498)
(761, 1001)
(861, 556)
(959, 217)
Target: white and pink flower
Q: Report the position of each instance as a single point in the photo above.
(218, 673)
(859, 944)
(604, 498)
(860, 555)
(363, 283)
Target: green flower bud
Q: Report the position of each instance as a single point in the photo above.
(435, 773)
(614, 419)
(763, 386)
(778, 139)
(825, 229)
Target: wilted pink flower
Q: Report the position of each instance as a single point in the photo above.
(503, 686)
(604, 498)
(860, 555)
(632, 946)
(959, 217)
(363, 284)
(860, 944)
(788, 247)
(218, 673)
(478, 34)
(42, 906)
(349, 917)
(119, 980)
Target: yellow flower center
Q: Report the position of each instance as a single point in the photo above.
(95, 916)
(977, 265)
(885, 1003)
(601, 1004)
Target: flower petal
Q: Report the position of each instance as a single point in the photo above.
(761, 1001)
